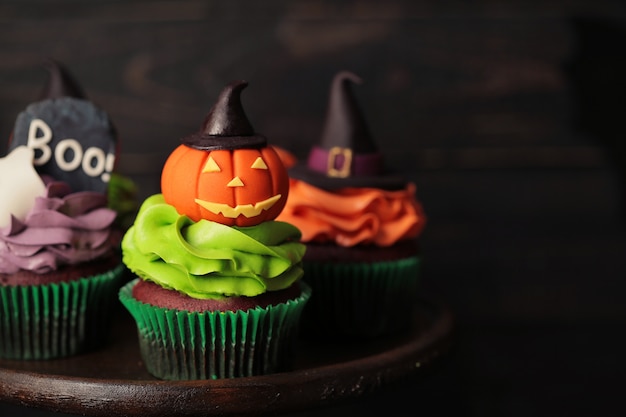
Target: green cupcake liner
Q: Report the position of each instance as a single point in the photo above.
(183, 345)
(360, 300)
(59, 319)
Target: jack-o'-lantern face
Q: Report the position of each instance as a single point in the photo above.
(241, 187)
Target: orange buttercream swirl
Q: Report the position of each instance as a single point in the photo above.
(353, 216)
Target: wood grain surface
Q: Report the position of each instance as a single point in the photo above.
(507, 115)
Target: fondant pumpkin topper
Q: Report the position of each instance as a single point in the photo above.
(74, 141)
(346, 155)
(226, 172)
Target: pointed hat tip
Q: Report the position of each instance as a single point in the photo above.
(237, 84)
(345, 75)
(60, 82)
(232, 90)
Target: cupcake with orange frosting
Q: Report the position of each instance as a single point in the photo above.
(360, 222)
(219, 291)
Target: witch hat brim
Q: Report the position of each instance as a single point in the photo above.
(388, 181)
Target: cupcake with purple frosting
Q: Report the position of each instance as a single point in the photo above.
(60, 266)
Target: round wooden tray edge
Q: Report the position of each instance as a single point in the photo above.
(279, 392)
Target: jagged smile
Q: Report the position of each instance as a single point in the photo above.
(248, 210)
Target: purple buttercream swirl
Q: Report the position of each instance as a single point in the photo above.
(63, 228)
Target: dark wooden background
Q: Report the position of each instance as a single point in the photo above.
(509, 115)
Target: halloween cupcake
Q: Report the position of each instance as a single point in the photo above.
(360, 222)
(59, 268)
(218, 293)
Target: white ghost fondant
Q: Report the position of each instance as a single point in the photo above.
(20, 184)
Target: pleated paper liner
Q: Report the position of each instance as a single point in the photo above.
(182, 345)
(358, 301)
(59, 319)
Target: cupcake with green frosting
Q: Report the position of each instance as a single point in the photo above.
(218, 292)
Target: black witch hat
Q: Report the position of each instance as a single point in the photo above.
(226, 126)
(346, 155)
(60, 82)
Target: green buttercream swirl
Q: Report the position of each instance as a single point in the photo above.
(206, 259)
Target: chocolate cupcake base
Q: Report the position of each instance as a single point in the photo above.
(359, 300)
(58, 319)
(187, 345)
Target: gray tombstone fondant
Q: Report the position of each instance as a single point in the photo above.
(74, 141)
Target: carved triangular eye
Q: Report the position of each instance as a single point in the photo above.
(259, 163)
(211, 166)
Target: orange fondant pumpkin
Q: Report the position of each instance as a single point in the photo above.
(242, 187)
